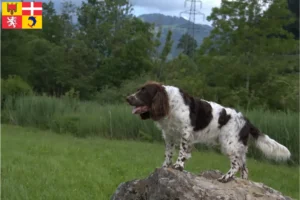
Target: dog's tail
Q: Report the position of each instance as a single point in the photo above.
(270, 148)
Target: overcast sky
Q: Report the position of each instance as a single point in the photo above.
(169, 7)
(174, 8)
(166, 7)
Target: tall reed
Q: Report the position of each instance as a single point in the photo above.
(116, 121)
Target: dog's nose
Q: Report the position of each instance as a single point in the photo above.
(128, 98)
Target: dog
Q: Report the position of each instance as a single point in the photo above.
(185, 120)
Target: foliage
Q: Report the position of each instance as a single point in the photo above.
(11, 88)
(268, 84)
(124, 43)
(167, 48)
(179, 27)
(255, 49)
(107, 46)
(239, 24)
(72, 94)
(15, 86)
(293, 28)
(188, 44)
(163, 55)
(249, 60)
(115, 95)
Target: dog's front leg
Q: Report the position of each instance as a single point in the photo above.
(169, 148)
(184, 152)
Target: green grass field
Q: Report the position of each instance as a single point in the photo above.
(43, 165)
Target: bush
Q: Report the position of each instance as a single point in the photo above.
(113, 95)
(71, 94)
(110, 95)
(15, 86)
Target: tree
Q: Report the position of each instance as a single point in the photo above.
(249, 38)
(163, 56)
(13, 55)
(124, 43)
(106, 47)
(47, 52)
(242, 28)
(188, 44)
(46, 61)
(293, 6)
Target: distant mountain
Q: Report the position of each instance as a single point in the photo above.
(179, 26)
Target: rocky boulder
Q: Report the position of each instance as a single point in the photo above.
(171, 184)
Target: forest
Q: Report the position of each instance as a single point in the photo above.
(250, 58)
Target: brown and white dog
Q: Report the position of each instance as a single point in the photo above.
(185, 120)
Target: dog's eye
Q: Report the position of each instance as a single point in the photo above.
(143, 89)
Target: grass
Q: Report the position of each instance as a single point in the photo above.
(85, 119)
(42, 165)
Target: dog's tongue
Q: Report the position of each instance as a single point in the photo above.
(139, 109)
(135, 110)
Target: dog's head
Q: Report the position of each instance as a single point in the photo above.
(150, 101)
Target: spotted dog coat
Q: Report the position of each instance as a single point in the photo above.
(185, 121)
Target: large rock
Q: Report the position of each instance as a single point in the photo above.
(170, 184)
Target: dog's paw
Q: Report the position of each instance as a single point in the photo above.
(166, 164)
(225, 178)
(178, 167)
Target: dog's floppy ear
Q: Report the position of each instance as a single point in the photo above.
(160, 104)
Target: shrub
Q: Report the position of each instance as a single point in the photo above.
(15, 86)
(113, 95)
(72, 94)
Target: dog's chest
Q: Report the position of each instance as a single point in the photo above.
(177, 119)
(170, 126)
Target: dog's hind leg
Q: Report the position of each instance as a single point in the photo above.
(236, 163)
(243, 168)
(236, 152)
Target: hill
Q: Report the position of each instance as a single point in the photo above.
(179, 26)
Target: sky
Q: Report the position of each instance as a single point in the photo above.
(169, 7)
(166, 7)
(174, 8)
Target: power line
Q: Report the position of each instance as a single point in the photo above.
(192, 9)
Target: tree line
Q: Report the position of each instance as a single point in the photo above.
(250, 58)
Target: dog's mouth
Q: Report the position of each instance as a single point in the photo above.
(140, 109)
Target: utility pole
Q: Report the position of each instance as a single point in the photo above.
(192, 9)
